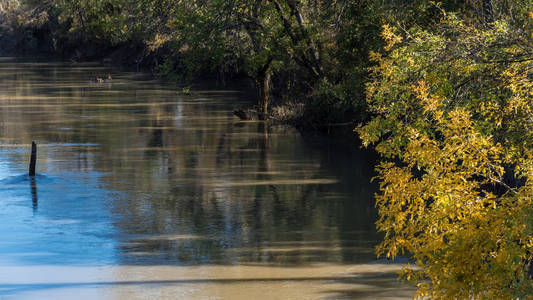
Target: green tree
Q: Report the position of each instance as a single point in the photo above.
(103, 21)
(258, 38)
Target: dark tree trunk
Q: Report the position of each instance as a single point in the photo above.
(488, 11)
(313, 50)
(530, 269)
(264, 94)
(263, 80)
(310, 58)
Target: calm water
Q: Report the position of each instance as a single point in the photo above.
(144, 192)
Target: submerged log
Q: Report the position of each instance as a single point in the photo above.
(33, 158)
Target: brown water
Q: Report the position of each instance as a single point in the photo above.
(143, 192)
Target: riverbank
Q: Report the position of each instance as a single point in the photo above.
(80, 34)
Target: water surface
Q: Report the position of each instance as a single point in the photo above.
(143, 192)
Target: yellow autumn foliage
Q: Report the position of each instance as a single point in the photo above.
(453, 113)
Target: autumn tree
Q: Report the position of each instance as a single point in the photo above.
(453, 111)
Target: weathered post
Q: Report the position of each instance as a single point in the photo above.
(33, 158)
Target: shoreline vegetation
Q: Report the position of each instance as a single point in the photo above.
(442, 90)
(285, 60)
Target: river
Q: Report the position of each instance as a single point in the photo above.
(145, 192)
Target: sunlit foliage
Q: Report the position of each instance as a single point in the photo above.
(454, 114)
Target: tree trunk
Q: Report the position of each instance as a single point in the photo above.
(264, 94)
(488, 11)
(315, 55)
(263, 80)
(530, 269)
(309, 58)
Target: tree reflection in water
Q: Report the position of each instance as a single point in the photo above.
(197, 186)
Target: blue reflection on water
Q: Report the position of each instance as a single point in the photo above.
(52, 220)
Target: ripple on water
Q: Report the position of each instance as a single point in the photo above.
(25, 178)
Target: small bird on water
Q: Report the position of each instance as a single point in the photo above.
(103, 80)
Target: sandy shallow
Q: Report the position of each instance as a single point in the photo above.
(371, 281)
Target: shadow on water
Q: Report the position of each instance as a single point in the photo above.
(243, 209)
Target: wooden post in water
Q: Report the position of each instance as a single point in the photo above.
(33, 158)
